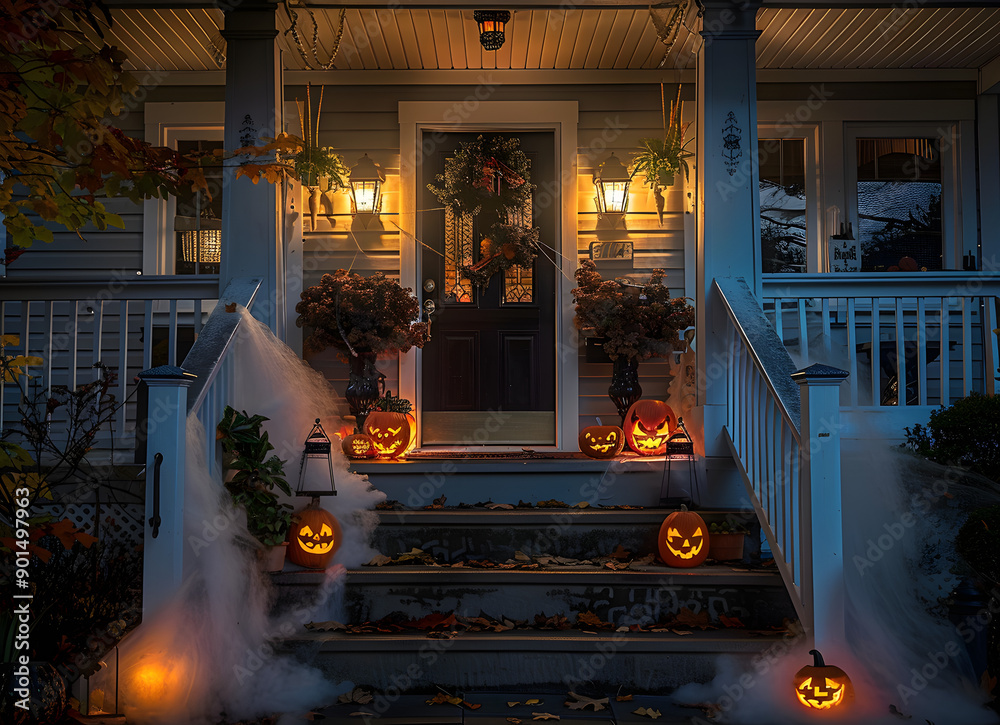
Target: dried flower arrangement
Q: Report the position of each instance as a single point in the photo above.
(356, 314)
(640, 321)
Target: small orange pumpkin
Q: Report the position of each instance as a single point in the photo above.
(314, 538)
(358, 445)
(683, 541)
(602, 441)
(647, 427)
(820, 686)
(390, 433)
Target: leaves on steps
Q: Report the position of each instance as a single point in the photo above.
(647, 712)
(581, 702)
(445, 698)
(358, 695)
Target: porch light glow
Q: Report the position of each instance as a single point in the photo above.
(612, 181)
(366, 180)
(491, 27)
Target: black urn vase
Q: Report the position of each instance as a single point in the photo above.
(365, 385)
(624, 389)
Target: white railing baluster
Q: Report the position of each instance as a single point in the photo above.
(74, 348)
(991, 348)
(147, 335)
(921, 342)
(172, 335)
(945, 351)
(25, 330)
(47, 357)
(876, 352)
(852, 348)
(900, 353)
(98, 331)
(827, 337)
(778, 322)
(803, 330)
(967, 307)
(122, 365)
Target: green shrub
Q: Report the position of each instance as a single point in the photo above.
(965, 434)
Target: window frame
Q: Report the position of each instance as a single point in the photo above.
(953, 203)
(166, 124)
(809, 132)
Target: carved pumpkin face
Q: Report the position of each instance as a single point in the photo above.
(683, 541)
(390, 433)
(820, 686)
(602, 441)
(358, 446)
(314, 538)
(647, 426)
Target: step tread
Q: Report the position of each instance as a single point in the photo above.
(534, 516)
(709, 574)
(729, 640)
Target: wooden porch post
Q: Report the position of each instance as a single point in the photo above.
(821, 515)
(251, 228)
(166, 438)
(729, 206)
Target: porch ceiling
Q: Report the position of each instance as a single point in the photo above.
(437, 38)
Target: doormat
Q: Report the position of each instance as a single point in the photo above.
(496, 455)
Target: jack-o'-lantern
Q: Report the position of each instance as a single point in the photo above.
(390, 433)
(602, 441)
(647, 426)
(314, 538)
(683, 541)
(358, 445)
(413, 433)
(820, 686)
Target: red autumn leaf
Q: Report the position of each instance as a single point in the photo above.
(435, 620)
(731, 622)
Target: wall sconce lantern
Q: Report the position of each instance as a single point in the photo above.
(318, 447)
(612, 180)
(491, 27)
(200, 239)
(366, 182)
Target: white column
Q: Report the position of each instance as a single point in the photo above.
(820, 514)
(729, 206)
(251, 230)
(163, 541)
(989, 181)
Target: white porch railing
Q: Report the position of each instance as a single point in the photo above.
(783, 430)
(934, 331)
(128, 324)
(201, 388)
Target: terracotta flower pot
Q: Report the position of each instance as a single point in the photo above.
(725, 547)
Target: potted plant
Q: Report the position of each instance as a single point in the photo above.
(661, 159)
(363, 318)
(636, 322)
(725, 541)
(252, 478)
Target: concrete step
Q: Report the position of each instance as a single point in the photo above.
(516, 660)
(460, 535)
(635, 480)
(757, 598)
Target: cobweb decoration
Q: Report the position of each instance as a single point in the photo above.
(667, 17)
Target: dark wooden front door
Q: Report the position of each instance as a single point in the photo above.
(488, 372)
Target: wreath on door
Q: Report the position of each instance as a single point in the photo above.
(491, 177)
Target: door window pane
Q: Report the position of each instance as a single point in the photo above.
(458, 253)
(198, 223)
(518, 284)
(899, 202)
(782, 165)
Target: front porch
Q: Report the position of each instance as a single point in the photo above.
(529, 557)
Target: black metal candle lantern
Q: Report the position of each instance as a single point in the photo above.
(317, 446)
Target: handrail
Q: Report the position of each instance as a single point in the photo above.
(757, 334)
(123, 287)
(215, 339)
(874, 284)
(763, 431)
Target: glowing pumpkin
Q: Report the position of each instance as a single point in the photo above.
(358, 446)
(683, 541)
(602, 441)
(647, 427)
(390, 433)
(413, 433)
(820, 686)
(314, 538)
